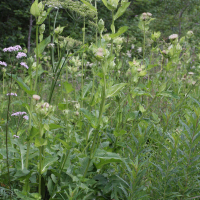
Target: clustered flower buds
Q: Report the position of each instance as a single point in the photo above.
(44, 109)
(24, 64)
(146, 16)
(36, 97)
(3, 63)
(20, 55)
(12, 94)
(11, 49)
(173, 36)
(19, 113)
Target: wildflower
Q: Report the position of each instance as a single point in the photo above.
(3, 70)
(190, 34)
(50, 45)
(149, 14)
(132, 46)
(118, 40)
(191, 73)
(173, 36)
(36, 97)
(19, 113)
(139, 49)
(12, 94)
(128, 54)
(10, 49)
(20, 55)
(16, 136)
(26, 117)
(107, 37)
(24, 64)
(99, 52)
(3, 63)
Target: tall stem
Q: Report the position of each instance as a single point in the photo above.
(144, 43)
(113, 31)
(7, 159)
(37, 57)
(82, 82)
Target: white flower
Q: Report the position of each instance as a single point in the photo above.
(132, 46)
(128, 54)
(139, 49)
(36, 97)
(173, 36)
(191, 73)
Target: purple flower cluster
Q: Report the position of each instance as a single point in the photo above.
(24, 64)
(11, 49)
(25, 117)
(18, 114)
(3, 63)
(12, 94)
(16, 136)
(20, 55)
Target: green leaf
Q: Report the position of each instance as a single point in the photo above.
(106, 158)
(121, 10)
(67, 146)
(40, 142)
(90, 117)
(118, 133)
(86, 89)
(112, 91)
(43, 16)
(23, 85)
(105, 3)
(89, 5)
(22, 174)
(119, 32)
(42, 46)
(113, 29)
(54, 126)
(34, 9)
(162, 87)
(68, 87)
(48, 161)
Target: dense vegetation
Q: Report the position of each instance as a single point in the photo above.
(99, 100)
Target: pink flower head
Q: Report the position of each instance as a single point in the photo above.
(19, 113)
(11, 49)
(24, 64)
(20, 55)
(16, 136)
(3, 63)
(12, 94)
(25, 117)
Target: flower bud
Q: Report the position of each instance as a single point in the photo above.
(36, 97)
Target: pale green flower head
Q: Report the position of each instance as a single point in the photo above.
(190, 34)
(112, 4)
(155, 35)
(118, 40)
(101, 25)
(107, 37)
(59, 30)
(42, 29)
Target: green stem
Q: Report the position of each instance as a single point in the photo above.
(37, 58)
(40, 171)
(112, 32)
(82, 82)
(144, 44)
(96, 22)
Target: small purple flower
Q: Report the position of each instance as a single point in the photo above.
(19, 113)
(3, 63)
(24, 64)
(20, 55)
(59, 85)
(16, 136)
(10, 49)
(25, 117)
(12, 94)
